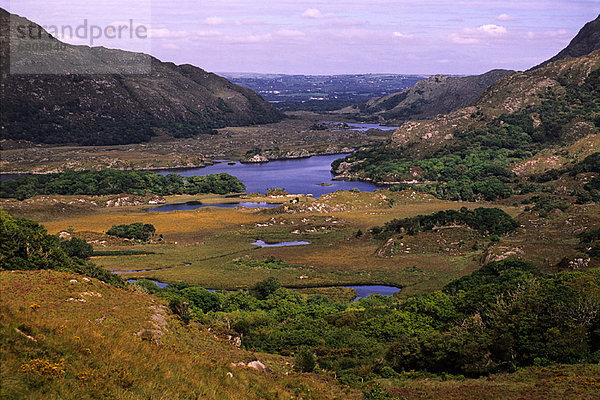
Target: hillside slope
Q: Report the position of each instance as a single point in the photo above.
(70, 337)
(114, 108)
(585, 42)
(480, 152)
(438, 94)
(508, 95)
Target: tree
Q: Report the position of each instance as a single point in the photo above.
(77, 247)
(264, 288)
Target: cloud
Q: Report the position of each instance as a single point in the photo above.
(477, 35)
(290, 33)
(214, 21)
(460, 39)
(256, 38)
(560, 33)
(209, 32)
(313, 13)
(493, 30)
(504, 17)
(403, 35)
(164, 33)
(170, 46)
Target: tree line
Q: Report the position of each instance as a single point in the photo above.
(112, 181)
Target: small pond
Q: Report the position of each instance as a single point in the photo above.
(158, 283)
(361, 127)
(262, 243)
(363, 291)
(195, 205)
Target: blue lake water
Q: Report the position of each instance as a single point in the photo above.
(362, 291)
(185, 206)
(158, 283)
(262, 243)
(367, 290)
(363, 127)
(298, 176)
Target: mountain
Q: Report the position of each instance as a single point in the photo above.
(525, 124)
(585, 42)
(438, 94)
(111, 98)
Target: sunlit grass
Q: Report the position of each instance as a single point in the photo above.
(96, 350)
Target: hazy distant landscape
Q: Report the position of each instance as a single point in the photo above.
(322, 93)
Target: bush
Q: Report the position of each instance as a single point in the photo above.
(77, 248)
(26, 245)
(137, 230)
(485, 220)
(304, 360)
(263, 289)
(180, 308)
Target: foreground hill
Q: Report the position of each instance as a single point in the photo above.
(70, 337)
(437, 95)
(102, 104)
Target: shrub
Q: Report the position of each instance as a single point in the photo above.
(77, 247)
(26, 245)
(263, 289)
(137, 230)
(304, 360)
(486, 220)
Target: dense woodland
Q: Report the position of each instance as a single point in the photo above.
(477, 164)
(112, 181)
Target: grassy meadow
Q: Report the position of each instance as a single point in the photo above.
(211, 246)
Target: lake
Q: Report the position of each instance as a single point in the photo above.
(298, 176)
(362, 127)
(191, 206)
(361, 291)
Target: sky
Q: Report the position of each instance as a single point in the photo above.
(329, 37)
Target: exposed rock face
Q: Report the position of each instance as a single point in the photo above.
(116, 108)
(438, 94)
(257, 365)
(128, 201)
(586, 41)
(575, 263)
(499, 253)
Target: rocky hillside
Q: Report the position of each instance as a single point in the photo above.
(525, 124)
(92, 108)
(437, 95)
(508, 95)
(586, 41)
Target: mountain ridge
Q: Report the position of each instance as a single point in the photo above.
(115, 108)
(439, 94)
(586, 41)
